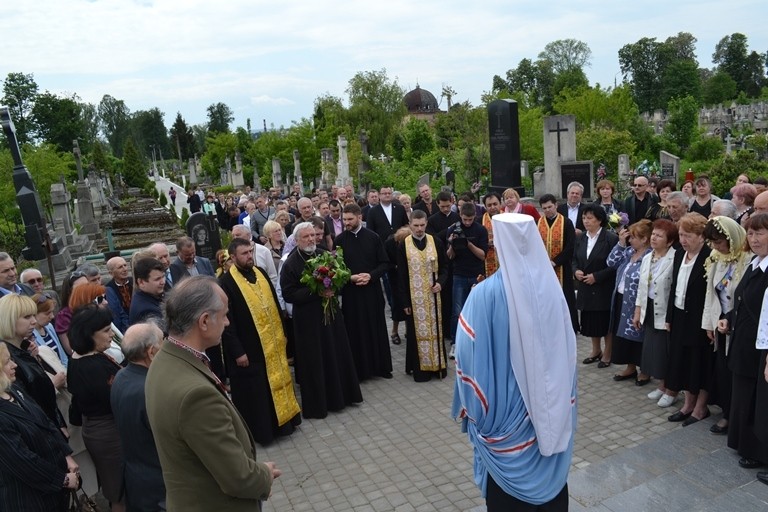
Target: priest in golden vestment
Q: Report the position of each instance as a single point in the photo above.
(559, 238)
(423, 270)
(254, 349)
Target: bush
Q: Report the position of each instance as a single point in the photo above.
(225, 189)
(163, 200)
(184, 218)
(705, 148)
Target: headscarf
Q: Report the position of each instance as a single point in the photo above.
(736, 236)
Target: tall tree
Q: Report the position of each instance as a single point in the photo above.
(682, 121)
(182, 138)
(643, 64)
(219, 117)
(567, 55)
(99, 158)
(375, 105)
(731, 57)
(19, 94)
(719, 88)
(134, 170)
(149, 133)
(115, 120)
(200, 133)
(681, 78)
(59, 121)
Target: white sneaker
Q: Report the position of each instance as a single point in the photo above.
(452, 352)
(667, 400)
(655, 394)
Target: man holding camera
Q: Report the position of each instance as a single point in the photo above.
(467, 246)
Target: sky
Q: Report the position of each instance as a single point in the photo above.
(269, 60)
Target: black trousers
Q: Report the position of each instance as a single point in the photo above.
(499, 501)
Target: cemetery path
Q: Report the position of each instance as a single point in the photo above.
(164, 185)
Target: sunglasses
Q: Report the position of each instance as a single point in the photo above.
(34, 280)
(100, 299)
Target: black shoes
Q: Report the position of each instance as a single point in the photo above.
(679, 416)
(763, 477)
(693, 419)
(592, 359)
(619, 377)
(718, 430)
(750, 463)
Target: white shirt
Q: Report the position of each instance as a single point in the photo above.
(388, 212)
(573, 213)
(682, 281)
(591, 241)
(262, 258)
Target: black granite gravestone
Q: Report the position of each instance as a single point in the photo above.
(668, 171)
(504, 135)
(204, 231)
(35, 227)
(577, 171)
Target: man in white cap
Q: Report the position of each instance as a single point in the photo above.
(515, 388)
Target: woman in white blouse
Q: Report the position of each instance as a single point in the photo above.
(651, 307)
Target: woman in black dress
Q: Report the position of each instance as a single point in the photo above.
(595, 280)
(690, 350)
(89, 379)
(747, 426)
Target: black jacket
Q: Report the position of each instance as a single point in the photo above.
(32, 379)
(32, 458)
(562, 209)
(595, 297)
(377, 220)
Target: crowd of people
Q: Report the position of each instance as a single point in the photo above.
(673, 289)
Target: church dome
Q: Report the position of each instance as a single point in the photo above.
(420, 101)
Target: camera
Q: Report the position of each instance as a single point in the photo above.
(460, 238)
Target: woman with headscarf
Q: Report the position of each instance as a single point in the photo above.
(725, 267)
(690, 354)
(36, 466)
(626, 257)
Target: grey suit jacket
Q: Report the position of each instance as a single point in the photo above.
(179, 270)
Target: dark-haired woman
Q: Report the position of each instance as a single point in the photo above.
(89, 379)
(595, 280)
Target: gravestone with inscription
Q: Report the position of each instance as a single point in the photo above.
(624, 168)
(504, 137)
(669, 166)
(559, 134)
(204, 231)
(85, 215)
(580, 171)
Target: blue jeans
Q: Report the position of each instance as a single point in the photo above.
(461, 288)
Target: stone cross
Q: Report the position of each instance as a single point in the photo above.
(558, 130)
(342, 167)
(297, 169)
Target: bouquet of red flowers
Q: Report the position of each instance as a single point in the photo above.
(326, 271)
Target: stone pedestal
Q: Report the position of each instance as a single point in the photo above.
(559, 146)
(342, 167)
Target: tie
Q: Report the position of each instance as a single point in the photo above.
(168, 278)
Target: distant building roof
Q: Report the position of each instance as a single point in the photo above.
(420, 101)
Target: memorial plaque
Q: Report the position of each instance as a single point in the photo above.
(580, 172)
(668, 171)
(504, 137)
(204, 231)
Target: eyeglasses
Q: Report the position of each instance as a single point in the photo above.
(100, 299)
(639, 185)
(75, 276)
(34, 280)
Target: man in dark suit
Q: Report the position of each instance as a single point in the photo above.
(638, 203)
(119, 292)
(187, 264)
(8, 278)
(386, 217)
(426, 203)
(333, 221)
(373, 200)
(143, 476)
(148, 297)
(197, 430)
(573, 207)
